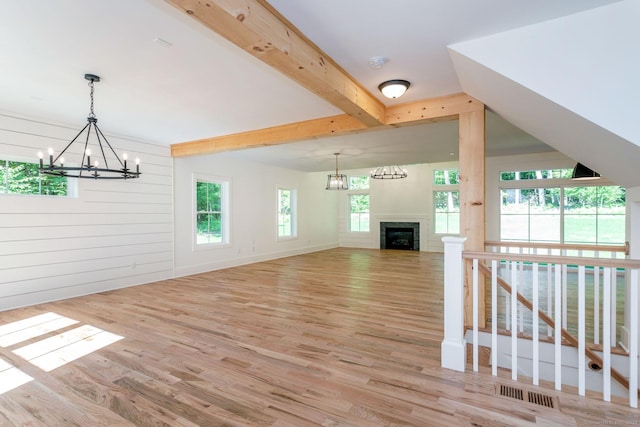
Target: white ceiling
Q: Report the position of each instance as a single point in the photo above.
(202, 86)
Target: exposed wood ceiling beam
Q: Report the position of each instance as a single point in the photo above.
(256, 27)
(432, 110)
(418, 112)
(327, 126)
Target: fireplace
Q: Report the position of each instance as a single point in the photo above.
(400, 235)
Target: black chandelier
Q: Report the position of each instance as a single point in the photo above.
(95, 170)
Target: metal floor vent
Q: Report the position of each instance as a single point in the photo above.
(540, 399)
(532, 397)
(512, 392)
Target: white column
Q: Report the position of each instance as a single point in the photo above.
(453, 348)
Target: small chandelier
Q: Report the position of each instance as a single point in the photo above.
(95, 170)
(337, 181)
(388, 172)
(394, 88)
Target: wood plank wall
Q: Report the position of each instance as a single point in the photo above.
(113, 234)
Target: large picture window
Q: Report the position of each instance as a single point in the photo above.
(25, 178)
(546, 206)
(211, 211)
(286, 213)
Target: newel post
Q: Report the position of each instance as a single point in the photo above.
(453, 348)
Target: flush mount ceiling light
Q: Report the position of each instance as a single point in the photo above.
(581, 172)
(394, 88)
(337, 181)
(388, 172)
(99, 169)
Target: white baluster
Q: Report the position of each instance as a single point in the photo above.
(521, 307)
(475, 315)
(581, 328)
(558, 326)
(606, 335)
(565, 317)
(535, 324)
(596, 305)
(549, 294)
(614, 285)
(633, 341)
(494, 317)
(507, 300)
(514, 321)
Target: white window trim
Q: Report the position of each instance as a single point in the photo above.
(226, 211)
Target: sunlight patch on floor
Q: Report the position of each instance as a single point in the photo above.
(48, 353)
(23, 330)
(11, 377)
(53, 352)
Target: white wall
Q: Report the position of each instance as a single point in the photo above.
(403, 200)
(253, 213)
(113, 234)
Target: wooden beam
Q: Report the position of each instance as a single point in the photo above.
(326, 126)
(432, 110)
(472, 199)
(260, 30)
(418, 112)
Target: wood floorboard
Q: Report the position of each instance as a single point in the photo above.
(345, 337)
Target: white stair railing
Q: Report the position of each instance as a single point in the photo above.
(520, 271)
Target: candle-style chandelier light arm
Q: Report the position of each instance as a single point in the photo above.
(86, 169)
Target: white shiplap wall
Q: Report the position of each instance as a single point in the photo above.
(113, 234)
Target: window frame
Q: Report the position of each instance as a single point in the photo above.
(293, 212)
(225, 211)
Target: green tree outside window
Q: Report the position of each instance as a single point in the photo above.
(209, 213)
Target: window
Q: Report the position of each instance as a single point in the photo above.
(359, 212)
(530, 214)
(446, 201)
(446, 177)
(447, 214)
(559, 211)
(594, 215)
(359, 203)
(25, 178)
(211, 211)
(359, 182)
(286, 213)
(536, 174)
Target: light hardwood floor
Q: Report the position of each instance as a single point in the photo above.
(346, 337)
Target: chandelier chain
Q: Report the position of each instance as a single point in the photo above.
(91, 114)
